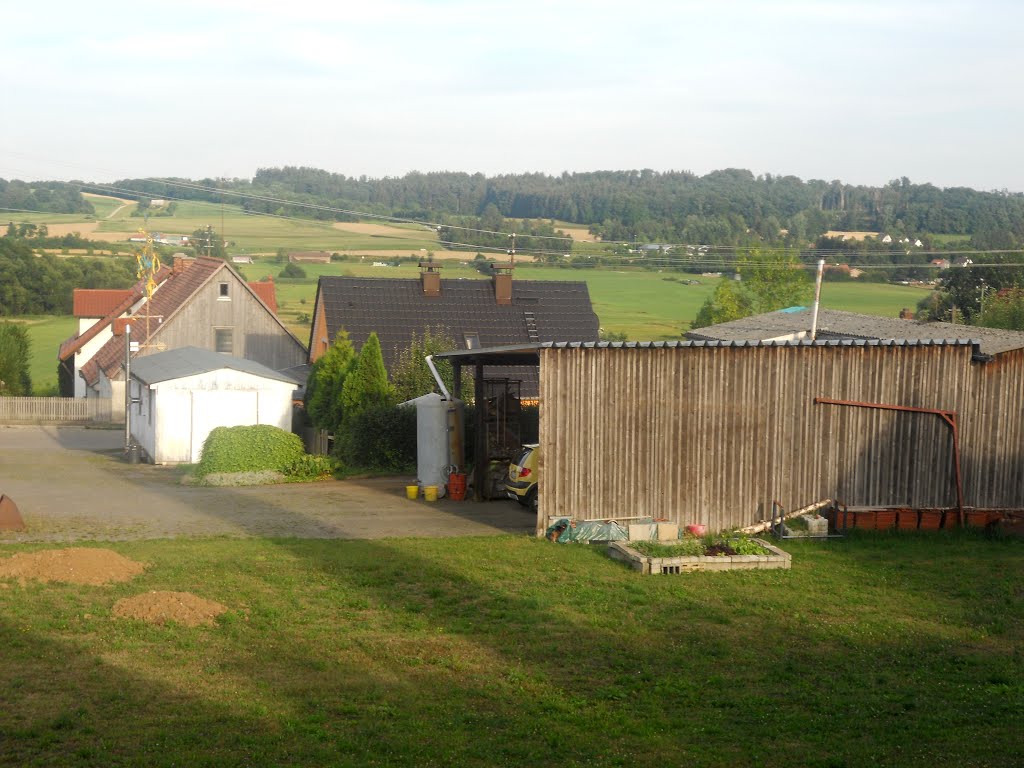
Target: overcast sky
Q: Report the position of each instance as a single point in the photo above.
(861, 91)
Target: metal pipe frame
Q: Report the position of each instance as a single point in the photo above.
(950, 417)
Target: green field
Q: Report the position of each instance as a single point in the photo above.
(886, 649)
(45, 335)
(247, 233)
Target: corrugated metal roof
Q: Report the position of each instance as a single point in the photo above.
(834, 323)
(190, 361)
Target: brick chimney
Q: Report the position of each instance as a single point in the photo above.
(430, 278)
(180, 264)
(503, 283)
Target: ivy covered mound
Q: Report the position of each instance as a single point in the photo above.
(265, 452)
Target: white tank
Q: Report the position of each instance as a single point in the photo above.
(439, 433)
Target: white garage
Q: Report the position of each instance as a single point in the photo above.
(181, 395)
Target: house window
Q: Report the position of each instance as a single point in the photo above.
(472, 340)
(224, 340)
(223, 292)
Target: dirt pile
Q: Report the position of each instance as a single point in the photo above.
(160, 607)
(76, 565)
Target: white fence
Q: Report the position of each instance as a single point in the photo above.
(60, 410)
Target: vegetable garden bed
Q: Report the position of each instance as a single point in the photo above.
(647, 564)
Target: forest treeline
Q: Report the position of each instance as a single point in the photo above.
(729, 207)
(726, 207)
(33, 284)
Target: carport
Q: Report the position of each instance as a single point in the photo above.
(519, 355)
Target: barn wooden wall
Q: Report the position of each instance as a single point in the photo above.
(712, 434)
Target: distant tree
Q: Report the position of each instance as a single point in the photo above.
(728, 302)
(1004, 309)
(326, 381)
(770, 282)
(15, 347)
(208, 243)
(367, 385)
(410, 375)
(292, 270)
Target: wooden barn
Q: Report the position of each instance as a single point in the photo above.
(712, 432)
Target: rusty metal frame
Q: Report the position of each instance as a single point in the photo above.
(950, 417)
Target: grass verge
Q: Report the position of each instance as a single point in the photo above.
(876, 649)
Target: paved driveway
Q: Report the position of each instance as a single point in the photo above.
(72, 483)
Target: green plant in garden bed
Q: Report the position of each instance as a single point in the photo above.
(696, 547)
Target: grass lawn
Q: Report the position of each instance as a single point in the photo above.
(899, 650)
(46, 334)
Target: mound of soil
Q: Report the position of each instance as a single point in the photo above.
(75, 565)
(160, 607)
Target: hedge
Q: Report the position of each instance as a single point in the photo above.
(249, 449)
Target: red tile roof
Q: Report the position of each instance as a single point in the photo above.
(130, 296)
(265, 290)
(165, 302)
(97, 302)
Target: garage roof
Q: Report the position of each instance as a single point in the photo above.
(191, 361)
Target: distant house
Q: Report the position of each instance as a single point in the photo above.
(184, 394)
(794, 324)
(475, 312)
(940, 263)
(309, 257)
(201, 302)
(887, 238)
(241, 259)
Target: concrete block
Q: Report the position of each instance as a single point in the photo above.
(668, 531)
(643, 531)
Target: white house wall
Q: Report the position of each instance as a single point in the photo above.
(186, 410)
(85, 354)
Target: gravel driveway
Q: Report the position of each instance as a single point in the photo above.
(72, 484)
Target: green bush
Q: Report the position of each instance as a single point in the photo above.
(249, 449)
(382, 437)
(309, 467)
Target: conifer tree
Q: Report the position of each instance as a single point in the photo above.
(367, 385)
(325, 383)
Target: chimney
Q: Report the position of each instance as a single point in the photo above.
(503, 283)
(180, 265)
(430, 278)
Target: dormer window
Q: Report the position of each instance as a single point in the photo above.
(223, 292)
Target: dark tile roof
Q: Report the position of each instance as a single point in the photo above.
(189, 361)
(541, 310)
(835, 324)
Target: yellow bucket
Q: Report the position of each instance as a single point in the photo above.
(412, 492)
(430, 492)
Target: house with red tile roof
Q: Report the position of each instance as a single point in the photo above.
(200, 303)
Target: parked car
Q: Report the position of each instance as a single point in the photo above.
(522, 477)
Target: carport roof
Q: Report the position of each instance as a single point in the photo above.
(191, 361)
(529, 354)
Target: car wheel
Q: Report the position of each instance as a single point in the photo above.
(530, 500)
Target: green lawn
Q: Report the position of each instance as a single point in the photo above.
(897, 650)
(46, 334)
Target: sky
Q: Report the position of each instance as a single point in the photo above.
(860, 91)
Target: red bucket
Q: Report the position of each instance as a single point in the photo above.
(456, 487)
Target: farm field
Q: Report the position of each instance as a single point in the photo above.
(515, 651)
(46, 334)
